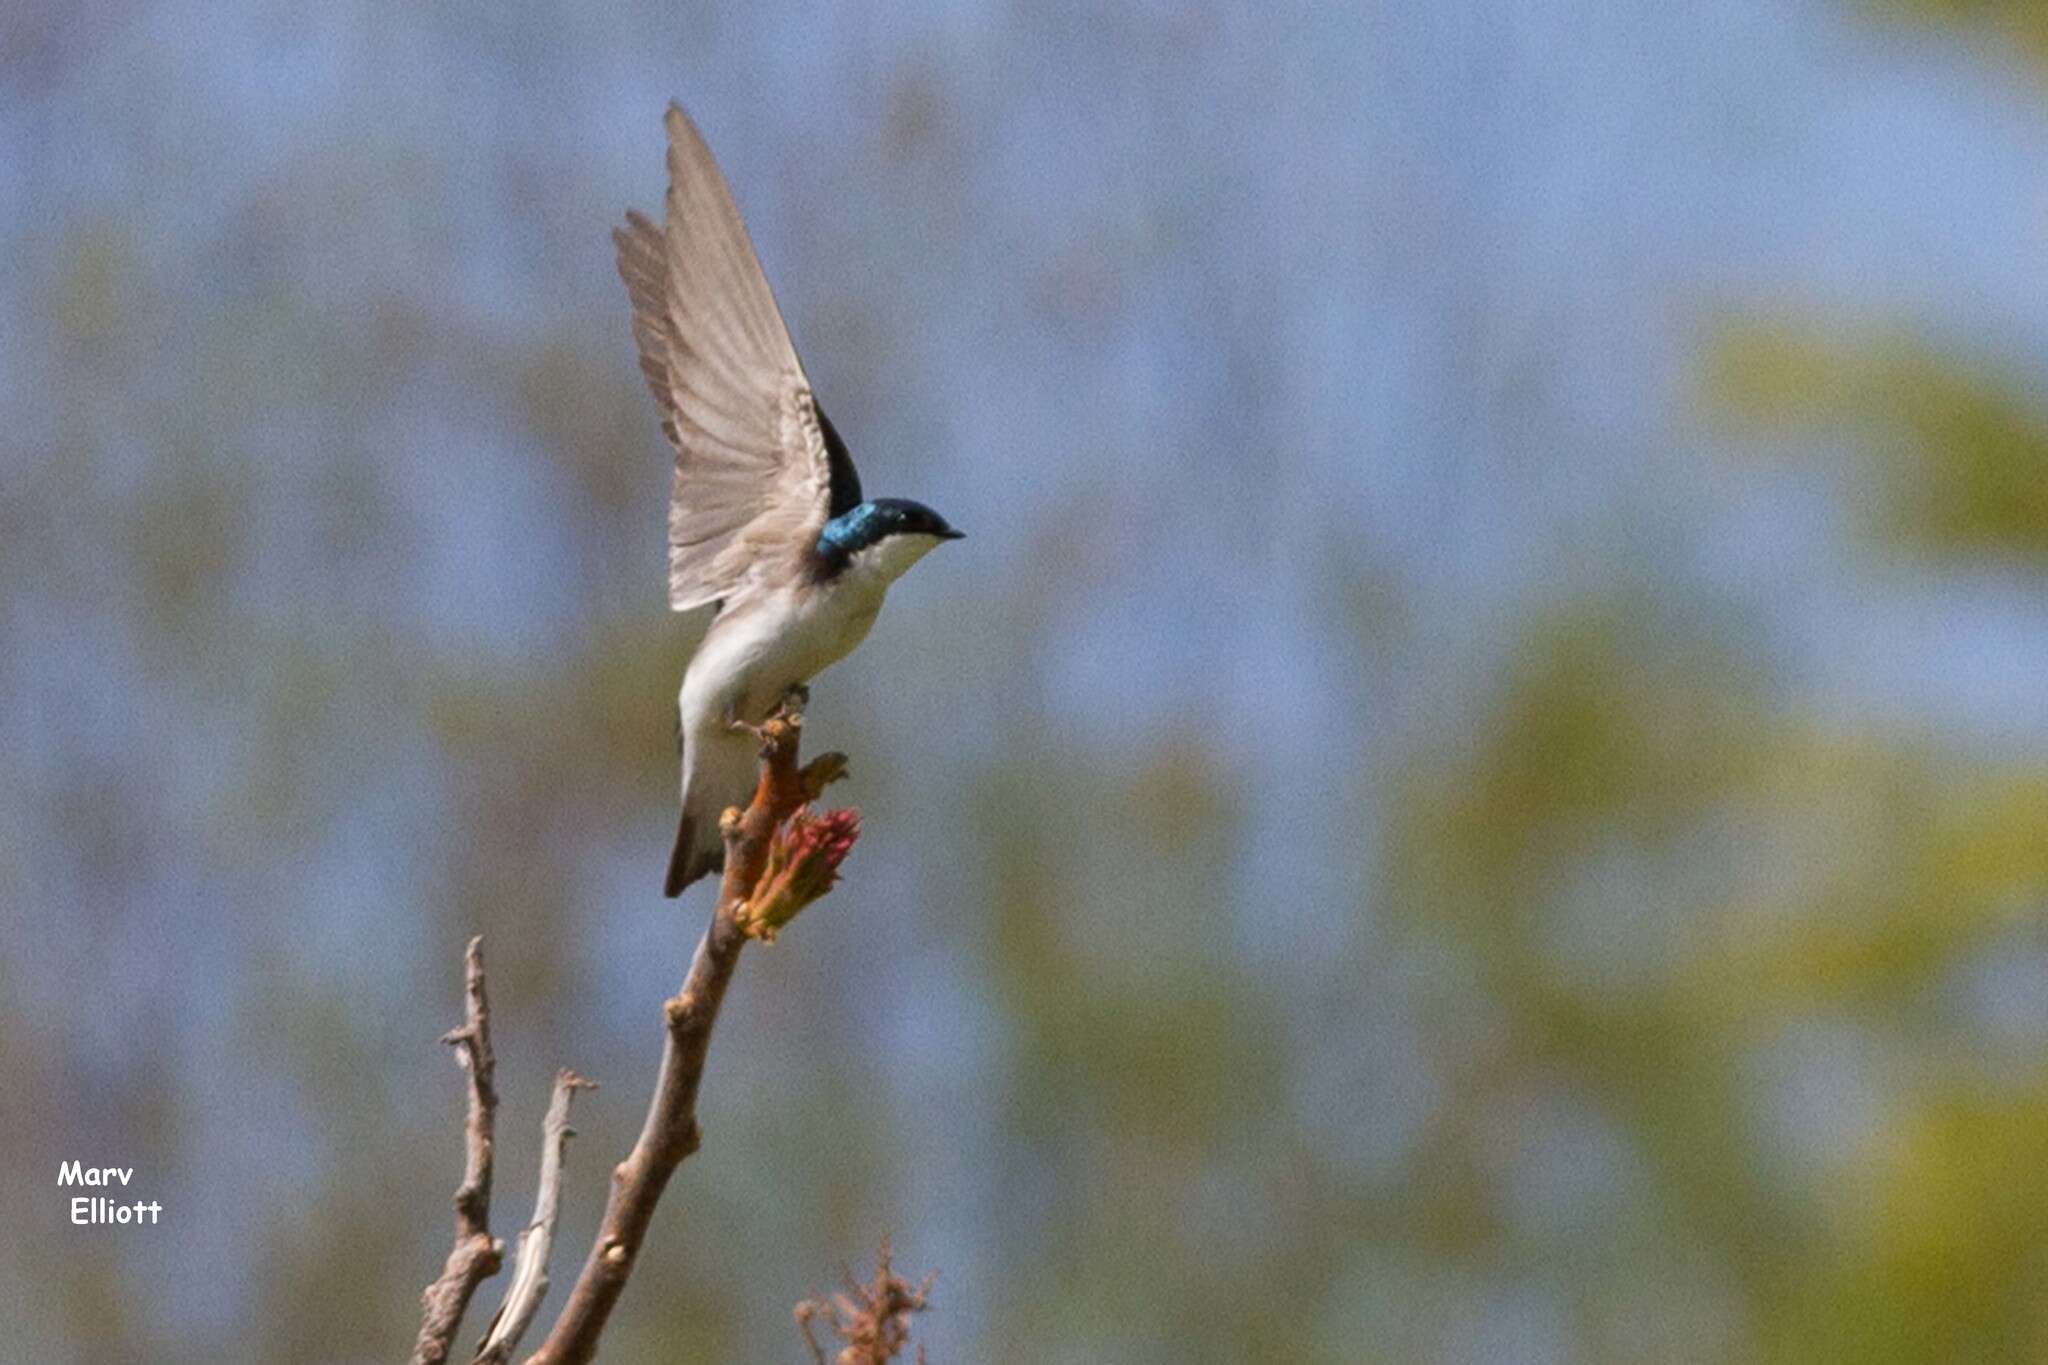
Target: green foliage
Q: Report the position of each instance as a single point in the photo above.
(1146, 1063)
(1789, 877)
(2017, 25)
(1960, 453)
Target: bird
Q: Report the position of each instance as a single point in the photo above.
(767, 524)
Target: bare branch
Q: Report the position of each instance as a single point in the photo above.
(530, 1273)
(475, 1255)
(871, 1320)
(669, 1133)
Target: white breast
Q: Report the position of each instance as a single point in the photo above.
(762, 646)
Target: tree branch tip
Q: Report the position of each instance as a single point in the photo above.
(475, 1254)
(529, 1285)
(821, 772)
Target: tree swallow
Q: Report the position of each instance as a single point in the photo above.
(766, 522)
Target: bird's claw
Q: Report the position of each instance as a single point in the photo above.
(790, 708)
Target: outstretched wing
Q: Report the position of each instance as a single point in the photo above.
(755, 459)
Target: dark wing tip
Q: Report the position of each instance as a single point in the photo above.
(843, 485)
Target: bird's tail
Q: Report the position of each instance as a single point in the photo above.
(690, 860)
(718, 771)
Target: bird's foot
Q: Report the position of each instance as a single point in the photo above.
(821, 772)
(790, 709)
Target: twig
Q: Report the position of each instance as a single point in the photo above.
(873, 1320)
(670, 1130)
(530, 1273)
(669, 1133)
(475, 1255)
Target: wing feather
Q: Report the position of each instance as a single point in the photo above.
(753, 472)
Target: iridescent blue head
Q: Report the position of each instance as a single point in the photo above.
(872, 523)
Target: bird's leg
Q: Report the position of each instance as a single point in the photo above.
(788, 713)
(821, 771)
(738, 724)
(794, 699)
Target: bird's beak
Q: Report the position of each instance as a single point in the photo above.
(950, 534)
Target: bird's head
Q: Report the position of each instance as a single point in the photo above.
(884, 536)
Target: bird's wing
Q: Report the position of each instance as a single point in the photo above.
(754, 458)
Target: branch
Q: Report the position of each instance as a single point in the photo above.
(475, 1255)
(530, 1275)
(670, 1131)
(873, 1320)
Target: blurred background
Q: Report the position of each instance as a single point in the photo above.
(1478, 791)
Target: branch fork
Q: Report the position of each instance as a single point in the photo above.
(780, 856)
(476, 1255)
(670, 1133)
